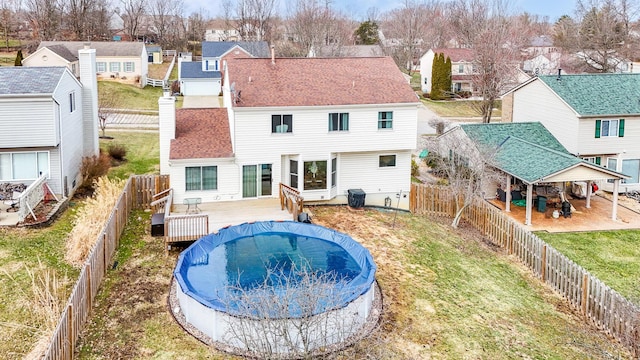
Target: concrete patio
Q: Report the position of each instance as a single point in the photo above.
(222, 214)
(596, 218)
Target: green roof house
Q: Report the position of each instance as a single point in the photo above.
(528, 152)
(594, 116)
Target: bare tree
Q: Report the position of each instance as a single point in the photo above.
(107, 102)
(166, 18)
(8, 16)
(76, 15)
(466, 165)
(253, 18)
(133, 10)
(603, 38)
(404, 30)
(45, 18)
(292, 313)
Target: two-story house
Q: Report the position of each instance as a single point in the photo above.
(205, 77)
(119, 60)
(594, 116)
(48, 123)
(313, 124)
(462, 69)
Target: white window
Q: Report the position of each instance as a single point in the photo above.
(72, 101)
(101, 66)
(293, 173)
(334, 172)
(114, 66)
(315, 175)
(281, 123)
(460, 68)
(387, 161)
(129, 66)
(385, 120)
(23, 165)
(609, 127)
(338, 121)
(201, 178)
(631, 167)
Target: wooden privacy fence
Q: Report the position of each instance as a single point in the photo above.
(138, 192)
(600, 304)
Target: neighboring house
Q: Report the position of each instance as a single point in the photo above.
(125, 61)
(462, 69)
(221, 31)
(194, 81)
(527, 155)
(595, 116)
(543, 64)
(48, 123)
(345, 130)
(347, 51)
(208, 78)
(539, 45)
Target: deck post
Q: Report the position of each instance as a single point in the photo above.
(616, 188)
(589, 192)
(527, 219)
(507, 201)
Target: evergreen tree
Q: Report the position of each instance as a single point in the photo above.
(447, 75)
(18, 61)
(438, 75)
(367, 33)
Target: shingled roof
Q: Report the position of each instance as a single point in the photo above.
(456, 54)
(193, 70)
(29, 80)
(526, 150)
(219, 48)
(318, 82)
(201, 134)
(598, 94)
(103, 48)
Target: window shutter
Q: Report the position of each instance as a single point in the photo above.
(621, 128)
(598, 125)
(598, 160)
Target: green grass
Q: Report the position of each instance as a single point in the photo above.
(611, 256)
(143, 153)
(131, 96)
(22, 249)
(459, 108)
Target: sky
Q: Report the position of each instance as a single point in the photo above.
(358, 8)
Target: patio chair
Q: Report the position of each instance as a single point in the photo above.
(14, 202)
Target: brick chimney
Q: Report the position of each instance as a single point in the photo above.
(167, 128)
(87, 62)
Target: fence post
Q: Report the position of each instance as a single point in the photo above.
(543, 271)
(585, 288)
(70, 339)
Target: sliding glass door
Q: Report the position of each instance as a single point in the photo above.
(257, 179)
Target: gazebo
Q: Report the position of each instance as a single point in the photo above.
(527, 152)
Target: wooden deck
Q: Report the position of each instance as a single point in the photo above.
(598, 217)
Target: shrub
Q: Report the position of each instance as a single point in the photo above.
(117, 151)
(415, 168)
(464, 94)
(93, 167)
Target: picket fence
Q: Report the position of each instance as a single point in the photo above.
(137, 193)
(601, 305)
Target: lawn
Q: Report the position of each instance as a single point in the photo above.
(445, 297)
(132, 96)
(7, 59)
(37, 251)
(458, 108)
(611, 256)
(143, 152)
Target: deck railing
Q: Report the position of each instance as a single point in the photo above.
(601, 305)
(291, 200)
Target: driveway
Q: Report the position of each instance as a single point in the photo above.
(199, 102)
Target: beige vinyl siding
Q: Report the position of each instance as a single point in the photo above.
(629, 145)
(536, 102)
(28, 122)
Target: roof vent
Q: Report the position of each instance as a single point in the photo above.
(559, 75)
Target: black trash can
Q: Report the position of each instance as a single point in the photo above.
(355, 198)
(542, 203)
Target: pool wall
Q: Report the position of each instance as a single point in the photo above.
(281, 335)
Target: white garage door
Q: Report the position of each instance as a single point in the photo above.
(208, 87)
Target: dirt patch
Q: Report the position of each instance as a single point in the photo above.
(45, 212)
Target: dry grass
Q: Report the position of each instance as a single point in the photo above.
(91, 219)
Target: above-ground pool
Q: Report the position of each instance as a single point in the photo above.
(286, 287)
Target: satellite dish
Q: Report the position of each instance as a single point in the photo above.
(233, 87)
